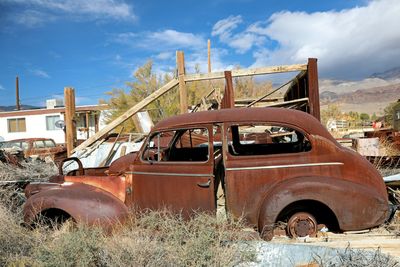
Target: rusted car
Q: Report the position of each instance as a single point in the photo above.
(36, 147)
(274, 165)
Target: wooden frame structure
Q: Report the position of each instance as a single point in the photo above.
(303, 88)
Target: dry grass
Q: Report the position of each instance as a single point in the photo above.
(149, 239)
(34, 170)
(11, 194)
(357, 258)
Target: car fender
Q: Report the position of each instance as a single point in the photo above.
(356, 206)
(84, 203)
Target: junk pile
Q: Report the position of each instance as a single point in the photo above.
(11, 157)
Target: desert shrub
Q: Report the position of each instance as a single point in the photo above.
(16, 242)
(161, 238)
(78, 246)
(357, 258)
(11, 194)
(34, 170)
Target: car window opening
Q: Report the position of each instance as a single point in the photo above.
(249, 140)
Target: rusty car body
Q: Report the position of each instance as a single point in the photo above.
(36, 148)
(274, 165)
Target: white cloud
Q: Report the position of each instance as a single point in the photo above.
(161, 40)
(32, 18)
(40, 73)
(224, 27)
(2, 87)
(241, 42)
(175, 38)
(41, 11)
(349, 43)
(164, 55)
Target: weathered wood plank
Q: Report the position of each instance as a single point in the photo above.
(246, 72)
(180, 64)
(128, 114)
(69, 100)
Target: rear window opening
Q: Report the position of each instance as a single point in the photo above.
(264, 139)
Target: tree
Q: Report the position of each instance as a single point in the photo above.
(331, 112)
(389, 112)
(364, 116)
(145, 82)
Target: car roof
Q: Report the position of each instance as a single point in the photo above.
(297, 118)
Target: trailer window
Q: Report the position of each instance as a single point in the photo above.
(250, 139)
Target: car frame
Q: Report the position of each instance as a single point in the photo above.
(36, 147)
(308, 181)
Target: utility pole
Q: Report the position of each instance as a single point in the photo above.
(17, 104)
(209, 55)
(70, 127)
(180, 64)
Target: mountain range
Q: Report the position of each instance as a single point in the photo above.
(370, 95)
(12, 108)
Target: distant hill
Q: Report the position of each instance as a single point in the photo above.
(388, 75)
(370, 95)
(328, 96)
(12, 108)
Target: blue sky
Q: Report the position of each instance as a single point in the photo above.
(96, 45)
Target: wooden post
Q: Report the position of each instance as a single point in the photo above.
(209, 55)
(17, 104)
(87, 124)
(228, 101)
(180, 64)
(96, 123)
(313, 90)
(69, 99)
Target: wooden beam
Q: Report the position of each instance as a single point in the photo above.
(209, 55)
(69, 98)
(313, 90)
(96, 123)
(268, 94)
(281, 104)
(228, 101)
(87, 124)
(180, 64)
(246, 72)
(128, 114)
(17, 103)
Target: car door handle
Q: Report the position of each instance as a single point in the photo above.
(205, 185)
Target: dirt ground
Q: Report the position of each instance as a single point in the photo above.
(385, 238)
(369, 240)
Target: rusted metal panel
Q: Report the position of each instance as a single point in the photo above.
(228, 101)
(85, 203)
(28, 147)
(155, 183)
(313, 90)
(333, 184)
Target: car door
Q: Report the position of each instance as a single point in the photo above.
(175, 170)
(258, 156)
(38, 148)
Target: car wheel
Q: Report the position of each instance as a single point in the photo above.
(302, 224)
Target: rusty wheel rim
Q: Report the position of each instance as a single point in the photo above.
(302, 224)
